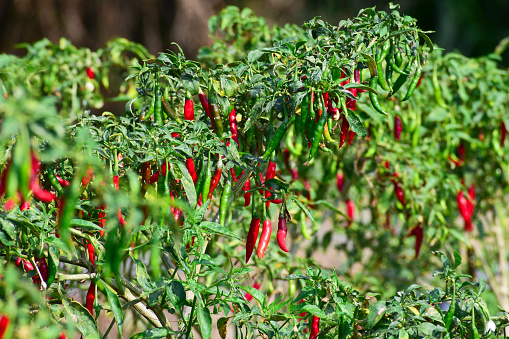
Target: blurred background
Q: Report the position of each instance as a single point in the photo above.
(473, 27)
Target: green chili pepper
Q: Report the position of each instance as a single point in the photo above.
(50, 175)
(379, 59)
(304, 112)
(388, 75)
(372, 96)
(208, 179)
(452, 309)
(436, 88)
(277, 137)
(218, 122)
(223, 206)
(201, 180)
(398, 59)
(297, 148)
(413, 83)
(317, 135)
(475, 333)
(304, 229)
(401, 79)
(394, 63)
(158, 114)
(169, 111)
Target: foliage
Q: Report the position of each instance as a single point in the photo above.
(119, 200)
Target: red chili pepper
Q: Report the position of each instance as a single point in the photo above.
(192, 169)
(248, 295)
(400, 194)
(90, 73)
(350, 208)
(252, 235)
(27, 266)
(89, 175)
(214, 182)
(233, 174)
(43, 268)
(189, 107)
(351, 136)
(4, 325)
(282, 230)
(419, 82)
(247, 195)
(271, 173)
(418, 232)
(102, 217)
(265, 237)
(39, 193)
(503, 133)
(463, 207)
(177, 214)
(340, 181)
(62, 336)
(90, 298)
(344, 131)
(62, 181)
(398, 127)
(3, 178)
(91, 253)
(315, 327)
(206, 107)
(233, 126)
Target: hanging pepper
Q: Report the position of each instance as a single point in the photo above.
(317, 135)
(158, 110)
(282, 230)
(208, 179)
(340, 180)
(192, 169)
(351, 136)
(252, 235)
(315, 327)
(265, 237)
(400, 194)
(91, 253)
(90, 298)
(233, 126)
(215, 181)
(89, 175)
(398, 127)
(419, 233)
(304, 229)
(414, 83)
(4, 324)
(350, 209)
(271, 173)
(169, 111)
(345, 125)
(247, 194)
(373, 97)
(379, 57)
(188, 107)
(293, 171)
(217, 122)
(225, 199)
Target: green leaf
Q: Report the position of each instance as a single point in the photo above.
(218, 228)
(254, 55)
(188, 184)
(314, 310)
(205, 321)
(457, 259)
(376, 312)
(153, 333)
(428, 41)
(191, 83)
(116, 308)
(176, 294)
(302, 207)
(85, 224)
(259, 296)
(355, 124)
(81, 317)
(142, 276)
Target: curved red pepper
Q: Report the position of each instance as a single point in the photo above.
(252, 236)
(340, 181)
(264, 238)
(282, 230)
(189, 108)
(344, 131)
(419, 233)
(192, 169)
(315, 327)
(233, 126)
(4, 324)
(90, 298)
(503, 133)
(398, 127)
(350, 208)
(214, 182)
(247, 195)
